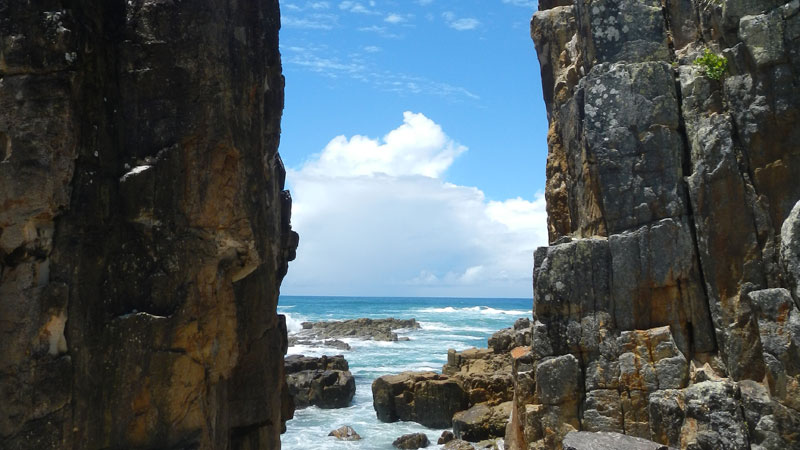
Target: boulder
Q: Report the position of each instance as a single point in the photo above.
(325, 382)
(584, 440)
(446, 437)
(427, 398)
(412, 441)
(482, 422)
(345, 433)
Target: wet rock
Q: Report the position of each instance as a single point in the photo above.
(325, 382)
(330, 343)
(446, 437)
(482, 422)
(345, 433)
(427, 398)
(375, 329)
(412, 441)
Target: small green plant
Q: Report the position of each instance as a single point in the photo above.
(714, 65)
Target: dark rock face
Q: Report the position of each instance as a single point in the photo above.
(423, 397)
(144, 230)
(412, 441)
(375, 329)
(666, 306)
(446, 437)
(345, 433)
(325, 382)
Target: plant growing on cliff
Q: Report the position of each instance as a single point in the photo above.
(713, 65)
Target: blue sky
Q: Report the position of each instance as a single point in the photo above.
(414, 132)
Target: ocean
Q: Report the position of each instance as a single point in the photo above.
(458, 323)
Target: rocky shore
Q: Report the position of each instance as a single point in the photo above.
(472, 395)
(325, 382)
(374, 329)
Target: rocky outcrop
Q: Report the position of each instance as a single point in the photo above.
(325, 382)
(144, 230)
(664, 307)
(325, 343)
(427, 398)
(374, 329)
(507, 339)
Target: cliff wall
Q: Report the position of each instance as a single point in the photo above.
(666, 306)
(144, 230)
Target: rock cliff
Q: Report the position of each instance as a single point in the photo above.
(144, 230)
(666, 306)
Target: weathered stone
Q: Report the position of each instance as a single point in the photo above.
(423, 397)
(144, 231)
(558, 380)
(458, 444)
(790, 251)
(446, 437)
(412, 441)
(345, 433)
(582, 440)
(482, 422)
(507, 339)
(375, 329)
(324, 388)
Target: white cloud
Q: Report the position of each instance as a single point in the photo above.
(375, 216)
(372, 49)
(356, 7)
(424, 2)
(319, 5)
(417, 147)
(394, 18)
(311, 21)
(460, 24)
(525, 3)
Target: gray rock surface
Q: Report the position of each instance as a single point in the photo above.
(582, 440)
(666, 306)
(423, 397)
(481, 422)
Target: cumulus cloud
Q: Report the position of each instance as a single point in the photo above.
(376, 216)
(460, 24)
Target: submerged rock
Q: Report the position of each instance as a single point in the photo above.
(375, 329)
(345, 433)
(325, 382)
(412, 441)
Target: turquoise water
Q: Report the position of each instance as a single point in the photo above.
(457, 323)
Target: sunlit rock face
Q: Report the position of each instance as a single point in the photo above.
(666, 307)
(144, 230)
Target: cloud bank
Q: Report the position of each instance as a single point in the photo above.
(377, 217)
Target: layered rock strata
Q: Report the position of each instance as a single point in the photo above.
(144, 230)
(664, 306)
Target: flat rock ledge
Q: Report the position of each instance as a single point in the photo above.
(585, 440)
(325, 382)
(371, 329)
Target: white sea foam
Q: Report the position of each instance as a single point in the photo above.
(293, 324)
(477, 309)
